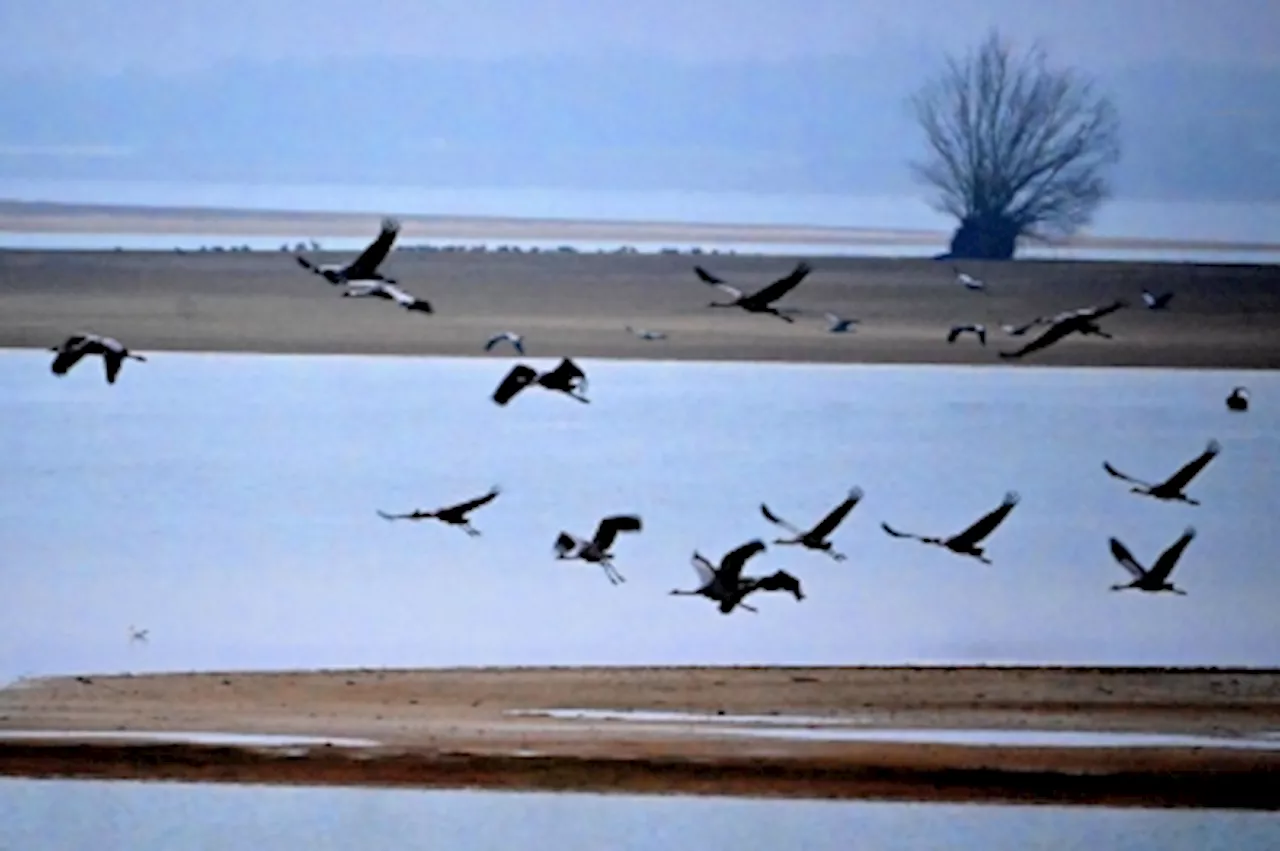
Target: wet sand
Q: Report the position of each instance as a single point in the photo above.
(579, 305)
(449, 728)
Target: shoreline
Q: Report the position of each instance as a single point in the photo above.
(454, 728)
(579, 305)
(17, 216)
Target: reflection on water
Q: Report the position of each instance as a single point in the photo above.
(227, 504)
(848, 730)
(47, 815)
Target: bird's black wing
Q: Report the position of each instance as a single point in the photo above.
(1183, 477)
(1121, 554)
(731, 565)
(567, 377)
(782, 286)
(895, 533)
(707, 276)
(366, 265)
(470, 505)
(609, 528)
(520, 377)
(778, 521)
(1055, 333)
(832, 520)
(779, 581)
(1124, 477)
(1164, 565)
(984, 527)
(68, 357)
(111, 362)
(306, 264)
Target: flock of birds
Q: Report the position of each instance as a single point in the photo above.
(725, 583)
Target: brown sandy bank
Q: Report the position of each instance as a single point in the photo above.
(450, 728)
(580, 304)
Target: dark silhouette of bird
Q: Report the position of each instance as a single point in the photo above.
(976, 329)
(454, 515)
(364, 267)
(596, 550)
(1156, 302)
(516, 341)
(816, 538)
(966, 543)
(77, 346)
(1157, 578)
(1084, 322)
(1238, 400)
(761, 301)
(1172, 488)
(728, 587)
(388, 291)
(566, 378)
(141, 636)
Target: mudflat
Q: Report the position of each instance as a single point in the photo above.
(470, 727)
(579, 305)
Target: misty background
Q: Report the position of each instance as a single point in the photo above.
(758, 96)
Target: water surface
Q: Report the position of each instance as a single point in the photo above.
(48, 815)
(227, 504)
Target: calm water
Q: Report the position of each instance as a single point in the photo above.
(1227, 222)
(227, 503)
(56, 815)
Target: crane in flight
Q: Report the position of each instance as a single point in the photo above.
(762, 300)
(816, 538)
(75, 347)
(365, 266)
(967, 543)
(727, 586)
(1173, 488)
(566, 378)
(596, 550)
(1157, 577)
(454, 515)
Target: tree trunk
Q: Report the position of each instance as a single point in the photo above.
(985, 237)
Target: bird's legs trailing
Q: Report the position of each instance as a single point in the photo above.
(612, 572)
(472, 531)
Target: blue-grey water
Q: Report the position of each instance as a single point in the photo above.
(43, 815)
(1131, 218)
(227, 504)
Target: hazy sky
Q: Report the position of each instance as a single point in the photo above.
(169, 35)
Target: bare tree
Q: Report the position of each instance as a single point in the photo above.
(1015, 147)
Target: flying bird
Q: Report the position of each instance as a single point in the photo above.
(761, 301)
(454, 515)
(1171, 488)
(645, 334)
(138, 635)
(1156, 302)
(596, 550)
(77, 346)
(1157, 578)
(516, 341)
(1238, 400)
(968, 281)
(566, 378)
(839, 324)
(364, 267)
(966, 543)
(978, 330)
(1084, 321)
(728, 587)
(390, 292)
(816, 538)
